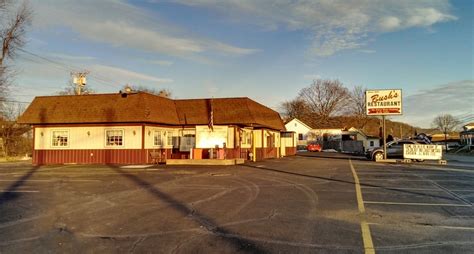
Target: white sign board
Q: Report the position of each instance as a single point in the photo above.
(383, 102)
(207, 138)
(422, 152)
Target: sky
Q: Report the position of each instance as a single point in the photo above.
(266, 50)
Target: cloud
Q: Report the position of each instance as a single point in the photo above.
(125, 76)
(120, 24)
(71, 57)
(311, 76)
(44, 74)
(333, 25)
(159, 62)
(454, 98)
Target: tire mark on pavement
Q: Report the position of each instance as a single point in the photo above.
(253, 191)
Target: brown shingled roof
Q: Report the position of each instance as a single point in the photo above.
(100, 108)
(144, 107)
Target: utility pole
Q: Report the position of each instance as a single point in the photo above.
(79, 79)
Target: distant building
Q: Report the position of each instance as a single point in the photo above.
(302, 131)
(467, 135)
(139, 128)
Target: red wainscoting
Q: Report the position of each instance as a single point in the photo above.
(290, 151)
(235, 153)
(267, 152)
(138, 156)
(89, 156)
(106, 156)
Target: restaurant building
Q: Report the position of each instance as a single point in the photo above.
(142, 128)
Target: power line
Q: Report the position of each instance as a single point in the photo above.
(70, 68)
(15, 101)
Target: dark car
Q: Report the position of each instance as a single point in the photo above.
(394, 150)
(314, 147)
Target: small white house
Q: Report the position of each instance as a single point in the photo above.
(302, 131)
(368, 141)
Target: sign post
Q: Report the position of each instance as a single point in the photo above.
(383, 103)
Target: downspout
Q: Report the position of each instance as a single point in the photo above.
(254, 147)
(143, 144)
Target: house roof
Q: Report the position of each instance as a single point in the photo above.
(144, 107)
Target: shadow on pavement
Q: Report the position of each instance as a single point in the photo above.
(336, 156)
(235, 240)
(352, 183)
(9, 193)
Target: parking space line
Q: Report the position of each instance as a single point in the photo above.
(37, 180)
(54, 180)
(408, 180)
(20, 191)
(399, 188)
(431, 226)
(366, 235)
(418, 204)
(436, 168)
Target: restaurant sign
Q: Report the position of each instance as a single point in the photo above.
(383, 102)
(422, 152)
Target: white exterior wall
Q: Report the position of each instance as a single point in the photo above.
(88, 137)
(150, 136)
(267, 133)
(257, 138)
(367, 143)
(298, 127)
(230, 137)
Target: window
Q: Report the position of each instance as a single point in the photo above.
(271, 141)
(187, 142)
(371, 143)
(60, 138)
(157, 139)
(246, 138)
(300, 136)
(114, 137)
(169, 138)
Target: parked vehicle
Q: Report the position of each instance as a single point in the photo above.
(394, 150)
(314, 147)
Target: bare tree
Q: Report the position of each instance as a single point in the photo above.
(295, 108)
(160, 92)
(13, 141)
(356, 106)
(12, 29)
(13, 22)
(325, 98)
(445, 123)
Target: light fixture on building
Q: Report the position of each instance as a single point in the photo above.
(149, 133)
(134, 133)
(42, 134)
(88, 133)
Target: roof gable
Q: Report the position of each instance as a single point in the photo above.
(292, 121)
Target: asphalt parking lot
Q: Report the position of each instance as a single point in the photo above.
(295, 204)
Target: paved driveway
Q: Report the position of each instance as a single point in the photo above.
(295, 204)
